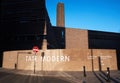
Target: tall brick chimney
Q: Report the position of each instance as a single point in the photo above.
(60, 20)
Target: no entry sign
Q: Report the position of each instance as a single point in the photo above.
(35, 49)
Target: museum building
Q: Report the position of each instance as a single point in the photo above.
(26, 23)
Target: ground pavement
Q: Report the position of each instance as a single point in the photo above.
(19, 76)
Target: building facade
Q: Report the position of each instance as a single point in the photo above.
(26, 24)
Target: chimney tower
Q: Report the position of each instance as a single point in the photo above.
(60, 20)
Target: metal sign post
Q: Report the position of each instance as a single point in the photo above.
(35, 50)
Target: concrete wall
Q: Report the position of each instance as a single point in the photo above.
(61, 60)
(76, 38)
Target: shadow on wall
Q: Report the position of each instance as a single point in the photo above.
(22, 30)
(105, 40)
(56, 38)
(1, 58)
(118, 57)
(21, 41)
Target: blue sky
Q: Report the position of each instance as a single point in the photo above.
(101, 15)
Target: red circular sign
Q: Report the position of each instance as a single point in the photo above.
(35, 49)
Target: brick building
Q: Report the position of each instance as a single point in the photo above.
(25, 24)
